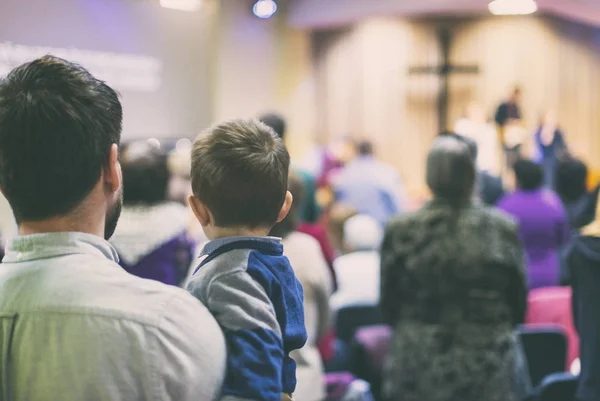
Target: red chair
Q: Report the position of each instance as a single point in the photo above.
(552, 305)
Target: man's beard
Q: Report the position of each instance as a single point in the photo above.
(112, 216)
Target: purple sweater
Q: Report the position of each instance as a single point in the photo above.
(544, 229)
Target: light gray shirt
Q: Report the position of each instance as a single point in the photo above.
(75, 326)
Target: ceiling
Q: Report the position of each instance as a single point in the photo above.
(323, 13)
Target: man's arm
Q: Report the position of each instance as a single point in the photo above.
(253, 337)
(189, 353)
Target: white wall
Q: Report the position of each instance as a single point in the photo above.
(178, 40)
(219, 62)
(324, 13)
(264, 65)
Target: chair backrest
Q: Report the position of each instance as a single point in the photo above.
(558, 387)
(368, 352)
(552, 305)
(375, 340)
(545, 348)
(351, 318)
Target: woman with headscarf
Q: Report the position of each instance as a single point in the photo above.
(583, 260)
(453, 288)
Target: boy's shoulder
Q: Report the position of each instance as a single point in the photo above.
(260, 258)
(214, 268)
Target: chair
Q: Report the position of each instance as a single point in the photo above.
(545, 349)
(368, 352)
(350, 318)
(558, 387)
(343, 386)
(552, 305)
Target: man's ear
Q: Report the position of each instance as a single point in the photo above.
(287, 204)
(200, 210)
(112, 171)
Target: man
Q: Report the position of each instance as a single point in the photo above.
(510, 131)
(474, 125)
(370, 186)
(358, 270)
(509, 111)
(73, 324)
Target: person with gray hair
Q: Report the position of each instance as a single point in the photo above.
(489, 189)
(453, 288)
(358, 270)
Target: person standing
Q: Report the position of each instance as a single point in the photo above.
(583, 261)
(370, 186)
(475, 126)
(542, 222)
(453, 289)
(509, 111)
(551, 148)
(511, 134)
(73, 324)
(358, 269)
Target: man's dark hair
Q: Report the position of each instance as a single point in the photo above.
(571, 179)
(57, 124)
(240, 172)
(451, 169)
(365, 148)
(276, 122)
(529, 175)
(145, 174)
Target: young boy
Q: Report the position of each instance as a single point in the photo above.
(239, 181)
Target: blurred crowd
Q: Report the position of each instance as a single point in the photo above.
(449, 278)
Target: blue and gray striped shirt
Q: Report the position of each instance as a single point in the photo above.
(250, 288)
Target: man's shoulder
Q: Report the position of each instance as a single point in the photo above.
(98, 288)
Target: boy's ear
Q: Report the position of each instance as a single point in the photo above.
(287, 204)
(200, 211)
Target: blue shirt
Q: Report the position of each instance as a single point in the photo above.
(371, 187)
(251, 290)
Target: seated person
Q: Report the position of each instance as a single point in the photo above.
(542, 223)
(358, 270)
(151, 238)
(239, 182)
